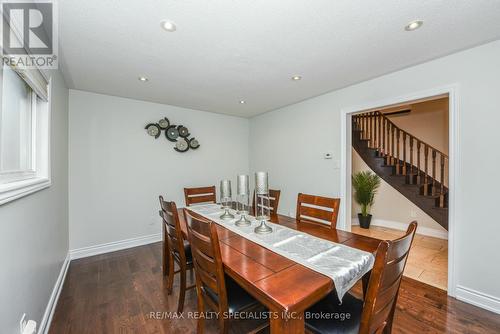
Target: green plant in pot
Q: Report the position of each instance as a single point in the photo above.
(365, 186)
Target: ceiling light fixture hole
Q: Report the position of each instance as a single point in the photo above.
(168, 25)
(414, 25)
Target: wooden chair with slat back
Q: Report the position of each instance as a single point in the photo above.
(376, 312)
(317, 210)
(179, 250)
(200, 195)
(274, 201)
(165, 252)
(216, 290)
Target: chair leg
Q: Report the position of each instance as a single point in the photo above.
(165, 252)
(182, 293)
(170, 274)
(200, 326)
(224, 328)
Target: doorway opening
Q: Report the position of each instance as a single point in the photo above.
(410, 144)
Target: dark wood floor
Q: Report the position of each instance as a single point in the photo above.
(117, 293)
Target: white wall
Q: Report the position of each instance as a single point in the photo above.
(289, 142)
(34, 231)
(117, 171)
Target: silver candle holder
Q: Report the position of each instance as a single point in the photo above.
(226, 199)
(243, 200)
(262, 209)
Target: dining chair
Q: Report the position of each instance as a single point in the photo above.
(200, 195)
(165, 251)
(317, 210)
(376, 312)
(179, 251)
(215, 289)
(274, 201)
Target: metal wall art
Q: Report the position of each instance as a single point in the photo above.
(177, 134)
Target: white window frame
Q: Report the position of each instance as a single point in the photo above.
(39, 178)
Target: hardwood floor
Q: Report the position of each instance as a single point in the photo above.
(428, 260)
(124, 292)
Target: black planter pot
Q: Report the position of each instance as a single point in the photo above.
(364, 222)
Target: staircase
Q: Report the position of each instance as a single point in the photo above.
(414, 168)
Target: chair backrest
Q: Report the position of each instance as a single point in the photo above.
(382, 293)
(207, 259)
(317, 210)
(173, 230)
(200, 195)
(272, 205)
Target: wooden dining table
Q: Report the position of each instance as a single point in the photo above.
(285, 287)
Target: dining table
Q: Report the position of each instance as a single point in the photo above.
(284, 286)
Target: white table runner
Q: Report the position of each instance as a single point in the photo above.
(343, 264)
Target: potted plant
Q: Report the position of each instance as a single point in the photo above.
(365, 187)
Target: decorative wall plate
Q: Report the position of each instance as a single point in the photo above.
(172, 133)
(178, 134)
(193, 143)
(164, 123)
(153, 130)
(183, 131)
(181, 145)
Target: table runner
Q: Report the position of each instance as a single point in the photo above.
(343, 264)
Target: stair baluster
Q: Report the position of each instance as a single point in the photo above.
(370, 131)
(373, 129)
(365, 126)
(404, 153)
(392, 144)
(410, 179)
(419, 174)
(379, 117)
(384, 146)
(398, 165)
(433, 190)
(426, 181)
(441, 195)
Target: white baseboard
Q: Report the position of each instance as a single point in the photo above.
(422, 230)
(114, 246)
(478, 299)
(51, 306)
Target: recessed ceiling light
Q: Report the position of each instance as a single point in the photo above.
(242, 102)
(414, 25)
(296, 77)
(168, 26)
(143, 79)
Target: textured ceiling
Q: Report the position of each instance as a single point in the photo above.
(227, 50)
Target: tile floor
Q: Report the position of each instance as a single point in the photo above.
(428, 260)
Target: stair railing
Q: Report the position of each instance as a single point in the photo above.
(397, 146)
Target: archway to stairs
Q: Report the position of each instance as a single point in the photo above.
(409, 144)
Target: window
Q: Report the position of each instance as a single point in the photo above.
(24, 135)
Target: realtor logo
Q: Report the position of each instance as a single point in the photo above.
(29, 38)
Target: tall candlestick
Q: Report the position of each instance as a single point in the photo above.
(262, 202)
(225, 191)
(243, 194)
(242, 185)
(261, 183)
(225, 188)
